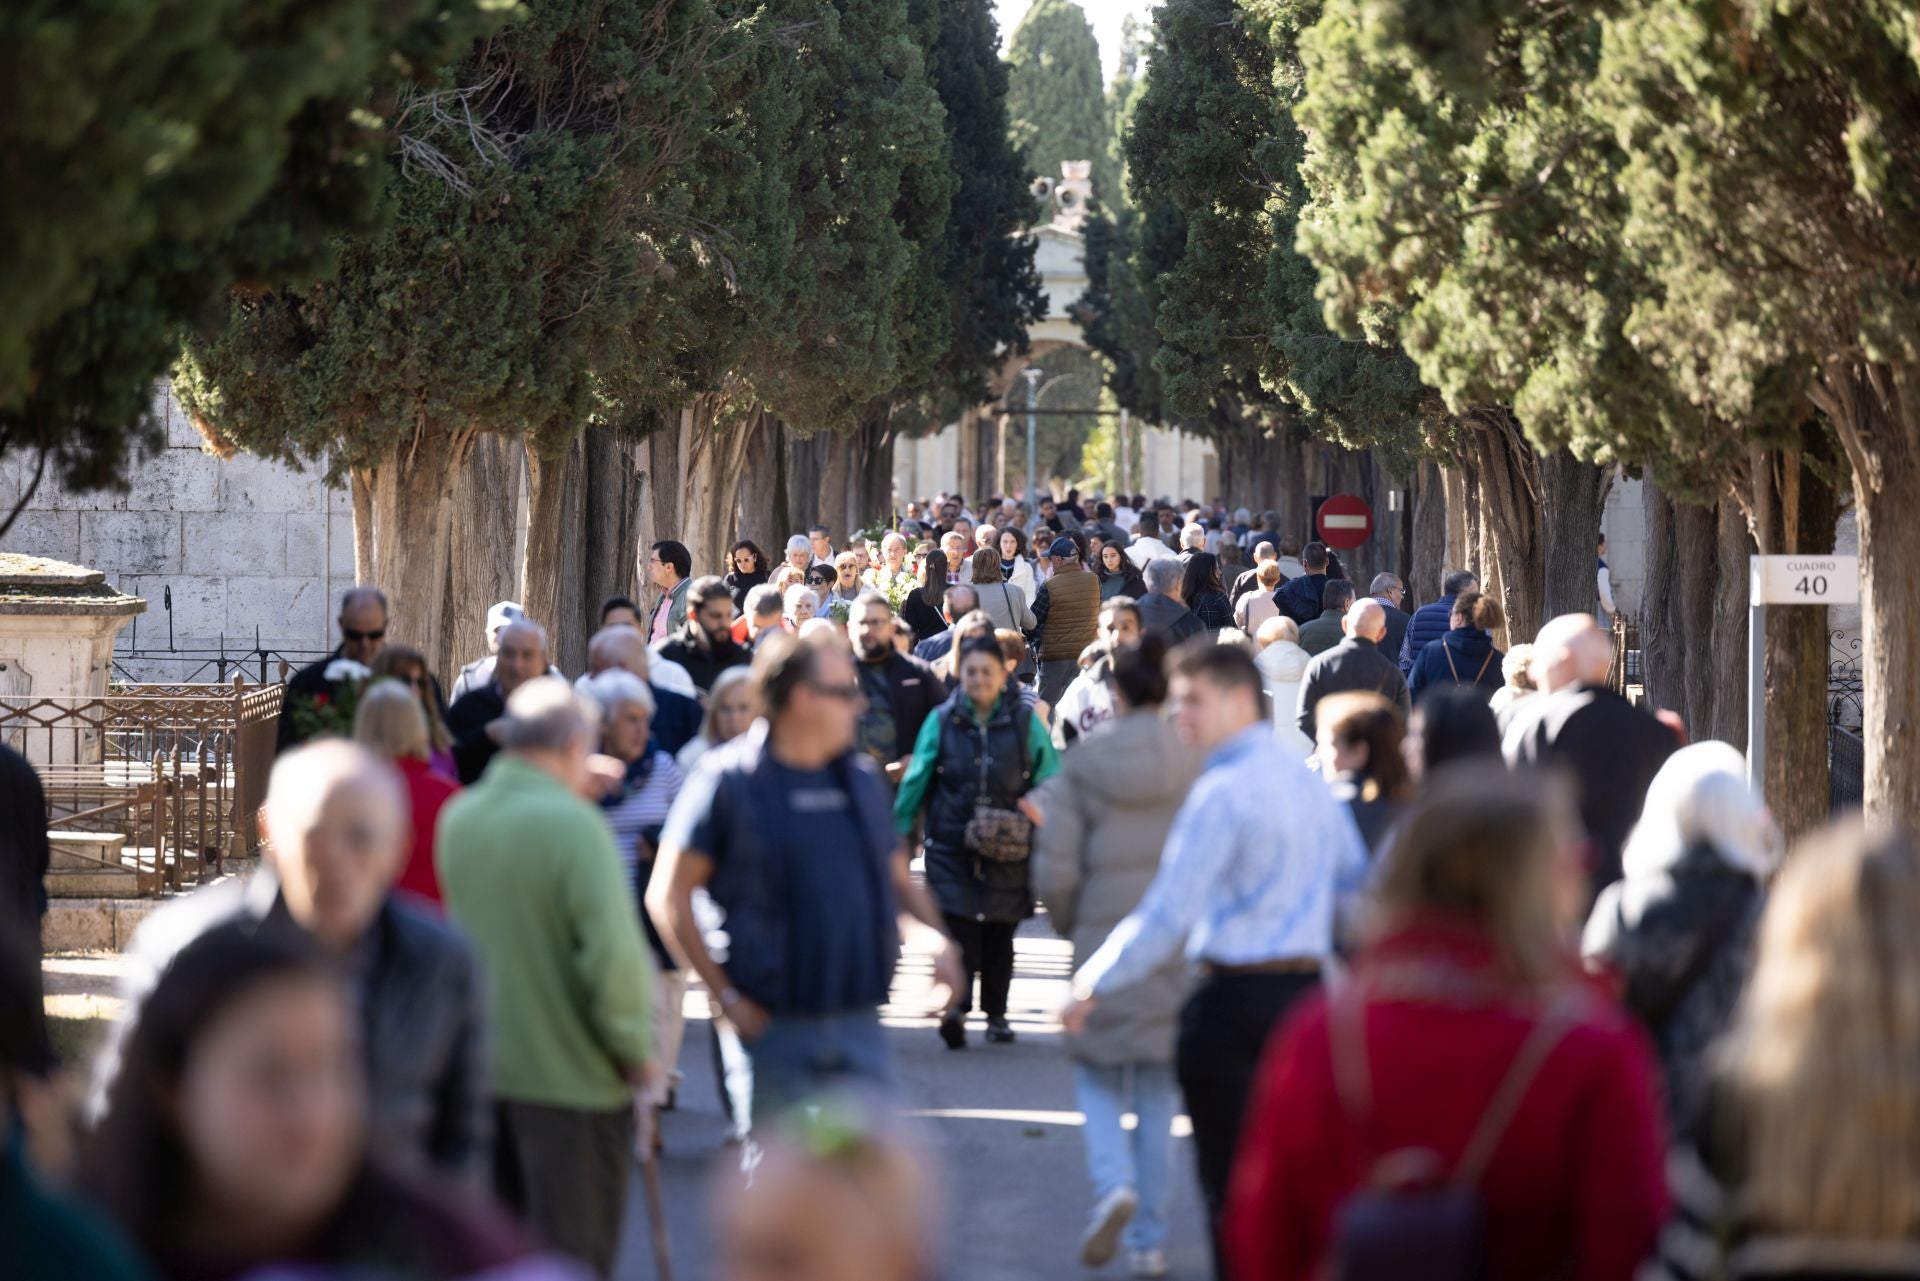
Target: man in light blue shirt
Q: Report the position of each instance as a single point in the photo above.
(1255, 860)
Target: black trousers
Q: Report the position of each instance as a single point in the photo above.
(986, 949)
(564, 1171)
(1224, 1028)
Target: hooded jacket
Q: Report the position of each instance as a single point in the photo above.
(1475, 663)
(1108, 814)
(1283, 665)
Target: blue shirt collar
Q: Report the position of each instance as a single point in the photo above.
(1247, 740)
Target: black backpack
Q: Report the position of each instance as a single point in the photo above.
(1414, 1218)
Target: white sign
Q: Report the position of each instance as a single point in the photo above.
(1805, 580)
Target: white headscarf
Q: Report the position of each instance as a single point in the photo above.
(1700, 796)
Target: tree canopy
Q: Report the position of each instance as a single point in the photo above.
(1057, 108)
(156, 155)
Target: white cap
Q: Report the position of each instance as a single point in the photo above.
(502, 613)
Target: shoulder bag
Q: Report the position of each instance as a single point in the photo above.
(1411, 1218)
(997, 835)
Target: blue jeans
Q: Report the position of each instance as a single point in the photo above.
(1116, 1158)
(801, 1056)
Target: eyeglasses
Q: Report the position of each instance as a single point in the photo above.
(848, 693)
(352, 635)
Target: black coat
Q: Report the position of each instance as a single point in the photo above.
(704, 662)
(739, 584)
(1464, 656)
(916, 692)
(1608, 747)
(977, 764)
(922, 617)
(1300, 598)
(1166, 616)
(1352, 666)
(467, 722)
(302, 686)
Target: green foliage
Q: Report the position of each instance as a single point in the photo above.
(984, 270)
(1054, 98)
(156, 154)
(511, 269)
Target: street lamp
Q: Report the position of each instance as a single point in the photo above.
(1032, 373)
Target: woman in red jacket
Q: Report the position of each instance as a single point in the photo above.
(391, 724)
(1470, 923)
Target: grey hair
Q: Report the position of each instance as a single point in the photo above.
(1162, 574)
(764, 601)
(1193, 536)
(615, 686)
(545, 714)
(1383, 583)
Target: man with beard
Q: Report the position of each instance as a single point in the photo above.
(900, 690)
(705, 646)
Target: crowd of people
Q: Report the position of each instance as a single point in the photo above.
(1460, 963)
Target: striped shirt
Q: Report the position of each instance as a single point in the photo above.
(641, 809)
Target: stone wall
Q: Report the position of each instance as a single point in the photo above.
(235, 546)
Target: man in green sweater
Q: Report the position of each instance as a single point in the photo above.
(528, 870)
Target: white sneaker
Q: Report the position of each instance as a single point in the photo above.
(1147, 1263)
(1110, 1217)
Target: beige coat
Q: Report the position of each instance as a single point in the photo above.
(1107, 816)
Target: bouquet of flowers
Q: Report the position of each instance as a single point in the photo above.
(330, 712)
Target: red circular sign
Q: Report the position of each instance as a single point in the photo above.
(1344, 522)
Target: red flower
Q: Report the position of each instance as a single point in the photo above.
(322, 699)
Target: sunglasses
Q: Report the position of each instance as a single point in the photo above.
(352, 635)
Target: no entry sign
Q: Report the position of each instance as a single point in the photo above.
(1344, 522)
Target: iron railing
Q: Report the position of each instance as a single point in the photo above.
(180, 769)
(1846, 770)
(219, 666)
(1625, 669)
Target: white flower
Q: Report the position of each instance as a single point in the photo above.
(345, 669)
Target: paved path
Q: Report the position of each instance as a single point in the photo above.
(1003, 1121)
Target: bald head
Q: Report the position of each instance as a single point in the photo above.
(1366, 620)
(619, 646)
(1571, 650)
(336, 837)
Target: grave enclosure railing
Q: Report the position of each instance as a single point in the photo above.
(180, 770)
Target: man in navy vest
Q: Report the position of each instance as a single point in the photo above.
(790, 829)
(1433, 620)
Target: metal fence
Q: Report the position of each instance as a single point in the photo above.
(189, 666)
(1846, 770)
(1846, 707)
(181, 770)
(1625, 670)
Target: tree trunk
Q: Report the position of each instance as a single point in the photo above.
(1428, 556)
(608, 525)
(554, 569)
(1663, 644)
(481, 567)
(660, 492)
(1696, 543)
(1792, 510)
(870, 490)
(1724, 654)
(412, 500)
(1455, 518)
(712, 458)
(1513, 540)
(763, 490)
(361, 487)
(837, 487)
(1573, 495)
(1871, 408)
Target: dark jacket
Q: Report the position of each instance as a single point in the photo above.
(935, 647)
(925, 619)
(1373, 814)
(1127, 582)
(739, 584)
(1214, 610)
(418, 989)
(916, 692)
(704, 662)
(467, 722)
(1323, 633)
(1610, 748)
(978, 765)
(1679, 939)
(1474, 662)
(302, 688)
(749, 881)
(1350, 666)
(1299, 598)
(1168, 618)
(1396, 637)
(1429, 623)
(676, 719)
(24, 850)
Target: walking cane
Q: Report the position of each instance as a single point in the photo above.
(656, 1203)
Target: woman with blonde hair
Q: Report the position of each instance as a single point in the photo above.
(391, 723)
(1466, 1057)
(409, 667)
(1807, 1162)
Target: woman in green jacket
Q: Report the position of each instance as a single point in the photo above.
(981, 748)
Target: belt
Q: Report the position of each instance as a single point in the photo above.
(1286, 965)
